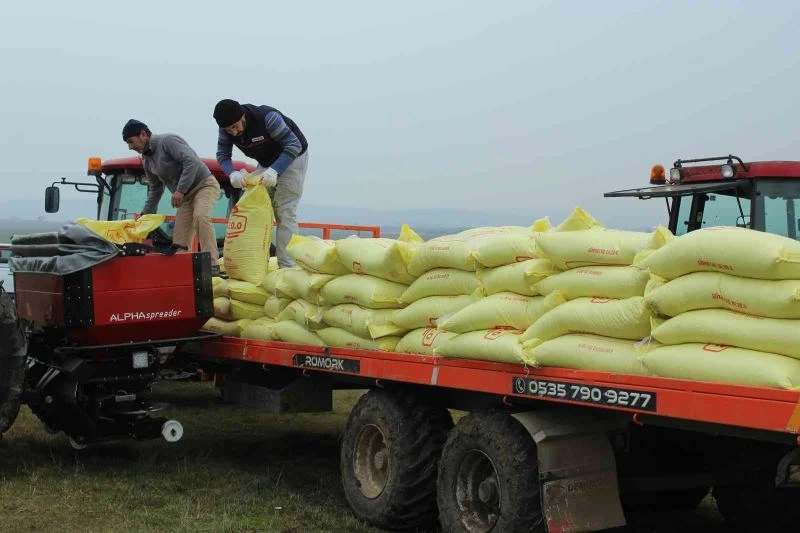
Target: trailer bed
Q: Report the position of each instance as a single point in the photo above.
(772, 414)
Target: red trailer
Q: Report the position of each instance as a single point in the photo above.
(552, 449)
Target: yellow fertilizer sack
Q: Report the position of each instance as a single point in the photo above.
(291, 331)
(516, 277)
(363, 322)
(578, 220)
(219, 287)
(230, 328)
(588, 352)
(222, 308)
(441, 282)
(316, 255)
(720, 326)
(511, 247)
(724, 364)
(383, 258)
(498, 345)
(502, 310)
(599, 246)
(298, 283)
(275, 304)
(423, 341)
(270, 281)
(241, 310)
(272, 264)
(363, 290)
(737, 251)
(261, 329)
(426, 311)
(621, 319)
(596, 281)
(457, 251)
(122, 231)
(244, 291)
(341, 338)
(304, 313)
(249, 234)
(713, 290)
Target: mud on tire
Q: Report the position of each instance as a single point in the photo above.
(488, 477)
(389, 456)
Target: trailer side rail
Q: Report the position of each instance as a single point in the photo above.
(754, 408)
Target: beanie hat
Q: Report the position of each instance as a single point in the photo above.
(226, 112)
(132, 128)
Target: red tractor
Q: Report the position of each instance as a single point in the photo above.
(99, 323)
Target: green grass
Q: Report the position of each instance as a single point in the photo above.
(236, 470)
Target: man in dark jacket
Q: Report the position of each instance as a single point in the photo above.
(281, 150)
(170, 162)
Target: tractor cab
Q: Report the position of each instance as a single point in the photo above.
(121, 189)
(726, 191)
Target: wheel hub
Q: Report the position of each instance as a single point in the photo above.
(478, 492)
(371, 461)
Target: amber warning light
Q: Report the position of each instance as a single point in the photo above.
(657, 175)
(95, 167)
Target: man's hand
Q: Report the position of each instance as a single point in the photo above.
(270, 178)
(177, 199)
(237, 178)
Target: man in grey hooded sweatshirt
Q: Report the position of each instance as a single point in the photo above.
(170, 162)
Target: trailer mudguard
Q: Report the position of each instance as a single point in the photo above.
(577, 469)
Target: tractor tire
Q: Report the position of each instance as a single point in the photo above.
(13, 348)
(488, 477)
(655, 452)
(389, 456)
(759, 507)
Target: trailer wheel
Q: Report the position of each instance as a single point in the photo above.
(759, 507)
(488, 477)
(390, 451)
(13, 348)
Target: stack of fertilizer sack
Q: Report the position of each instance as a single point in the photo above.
(726, 304)
(239, 301)
(357, 284)
(473, 297)
(605, 315)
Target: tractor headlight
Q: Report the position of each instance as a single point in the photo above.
(141, 359)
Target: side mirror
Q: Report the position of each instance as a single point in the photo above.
(52, 197)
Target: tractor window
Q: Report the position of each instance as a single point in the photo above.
(131, 192)
(684, 211)
(779, 205)
(724, 210)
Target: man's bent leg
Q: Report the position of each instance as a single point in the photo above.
(183, 231)
(203, 198)
(287, 196)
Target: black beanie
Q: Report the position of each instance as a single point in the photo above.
(226, 112)
(132, 128)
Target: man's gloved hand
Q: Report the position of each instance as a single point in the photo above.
(237, 178)
(269, 178)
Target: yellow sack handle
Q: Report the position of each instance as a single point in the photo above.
(122, 231)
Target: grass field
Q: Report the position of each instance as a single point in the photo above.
(236, 470)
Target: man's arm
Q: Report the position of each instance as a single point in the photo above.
(155, 189)
(190, 161)
(280, 132)
(224, 152)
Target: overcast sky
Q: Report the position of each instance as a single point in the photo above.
(509, 104)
